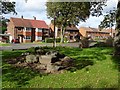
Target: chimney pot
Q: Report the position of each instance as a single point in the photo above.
(34, 17)
(22, 16)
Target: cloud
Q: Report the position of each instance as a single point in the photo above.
(31, 8)
(37, 8)
(95, 21)
(111, 4)
(91, 22)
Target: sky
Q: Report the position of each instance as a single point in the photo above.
(37, 8)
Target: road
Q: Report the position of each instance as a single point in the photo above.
(29, 45)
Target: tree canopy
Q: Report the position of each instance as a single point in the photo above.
(6, 7)
(109, 20)
(74, 12)
(117, 38)
(71, 13)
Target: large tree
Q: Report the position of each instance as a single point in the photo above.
(117, 38)
(109, 20)
(67, 13)
(6, 7)
(4, 24)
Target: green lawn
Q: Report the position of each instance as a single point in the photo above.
(4, 44)
(95, 68)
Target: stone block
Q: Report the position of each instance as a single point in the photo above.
(32, 59)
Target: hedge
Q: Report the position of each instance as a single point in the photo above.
(51, 40)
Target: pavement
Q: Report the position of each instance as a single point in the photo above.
(29, 45)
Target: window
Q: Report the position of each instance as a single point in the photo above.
(28, 29)
(39, 30)
(38, 38)
(27, 37)
(19, 28)
(71, 32)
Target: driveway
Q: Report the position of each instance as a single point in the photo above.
(29, 45)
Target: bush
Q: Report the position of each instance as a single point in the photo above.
(100, 44)
(65, 39)
(58, 40)
(107, 43)
(31, 50)
(51, 40)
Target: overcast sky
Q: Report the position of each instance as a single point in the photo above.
(37, 8)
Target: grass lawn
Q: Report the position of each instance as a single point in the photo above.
(95, 68)
(4, 44)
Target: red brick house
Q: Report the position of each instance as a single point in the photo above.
(70, 32)
(27, 30)
(95, 33)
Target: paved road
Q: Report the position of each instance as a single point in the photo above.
(28, 45)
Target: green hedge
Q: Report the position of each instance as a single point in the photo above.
(51, 40)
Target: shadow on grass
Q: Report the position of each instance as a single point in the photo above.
(83, 57)
(80, 65)
(16, 74)
(116, 60)
(19, 75)
(87, 87)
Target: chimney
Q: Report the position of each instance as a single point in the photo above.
(34, 17)
(22, 16)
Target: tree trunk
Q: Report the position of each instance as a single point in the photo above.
(62, 34)
(117, 37)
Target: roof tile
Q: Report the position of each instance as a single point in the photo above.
(20, 22)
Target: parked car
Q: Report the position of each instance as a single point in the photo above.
(15, 41)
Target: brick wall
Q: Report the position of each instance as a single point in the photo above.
(10, 28)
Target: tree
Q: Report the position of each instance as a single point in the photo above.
(68, 13)
(4, 24)
(6, 7)
(109, 20)
(117, 37)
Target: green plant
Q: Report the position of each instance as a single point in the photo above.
(31, 50)
(91, 71)
(101, 44)
(51, 40)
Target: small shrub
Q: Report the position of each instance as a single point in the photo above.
(65, 39)
(58, 40)
(51, 40)
(100, 44)
(31, 50)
